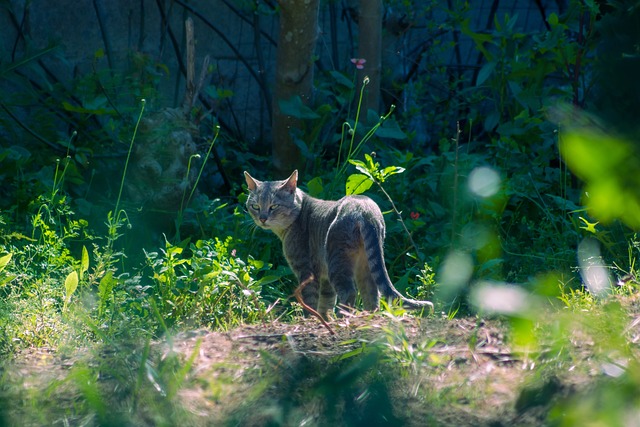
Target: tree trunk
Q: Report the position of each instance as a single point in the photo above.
(294, 76)
(370, 48)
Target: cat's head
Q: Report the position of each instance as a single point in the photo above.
(274, 205)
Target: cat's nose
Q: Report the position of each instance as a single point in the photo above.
(263, 220)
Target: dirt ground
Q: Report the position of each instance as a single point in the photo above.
(472, 385)
(375, 370)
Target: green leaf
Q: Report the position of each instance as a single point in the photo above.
(70, 285)
(485, 72)
(268, 279)
(84, 264)
(391, 170)
(218, 93)
(173, 251)
(362, 167)
(295, 108)
(4, 260)
(491, 121)
(607, 165)
(357, 163)
(74, 109)
(96, 104)
(6, 279)
(355, 352)
(593, 6)
(372, 117)
(257, 263)
(371, 165)
(358, 184)
(511, 22)
(304, 148)
(105, 289)
(15, 152)
(479, 38)
(341, 79)
(589, 226)
(593, 154)
(390, 129)
(315, 186)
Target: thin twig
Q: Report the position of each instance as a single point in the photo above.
(262, 66)
(227, 41)
(298, 294)
(235, 132)
(243, 17)
(31, 131)
(104, 30)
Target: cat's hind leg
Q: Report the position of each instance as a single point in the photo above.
(341, 272)
(366, 285)
(327, 300)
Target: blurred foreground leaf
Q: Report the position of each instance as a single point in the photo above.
(610, 168)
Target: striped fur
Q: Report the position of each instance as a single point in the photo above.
(338, 245)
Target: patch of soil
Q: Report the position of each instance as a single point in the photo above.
(376, 370)
(465, 376)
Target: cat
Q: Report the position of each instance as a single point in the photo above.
(333, 246)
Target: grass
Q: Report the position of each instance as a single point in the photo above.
(202, 330)
(204, 333)
(383, 369)
(142, 363)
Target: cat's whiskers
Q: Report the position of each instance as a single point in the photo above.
(250, 226)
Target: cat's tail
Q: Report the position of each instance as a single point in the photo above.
(373, 238)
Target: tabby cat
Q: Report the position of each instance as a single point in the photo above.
(334, 246)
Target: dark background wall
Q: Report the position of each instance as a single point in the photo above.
(239, 36)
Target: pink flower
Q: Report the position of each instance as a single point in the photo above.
(359, 62)
(233, 253)
(414, 215)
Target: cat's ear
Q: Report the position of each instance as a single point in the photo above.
(252, 184)
(292, 182)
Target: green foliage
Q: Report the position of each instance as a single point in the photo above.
(370, 173)
(427, 284)
(481, 201)
(6, 278)
(99, 108)
(70, 286)
(504, 127)
(210, 287)
(607, 164)
(348, 391)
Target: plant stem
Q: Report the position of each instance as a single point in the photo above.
(58, 182)
(364, 139)
(126, 164)
(395, 209)
(365, 82)
(455, 185)
(373, 130)
(204, 162)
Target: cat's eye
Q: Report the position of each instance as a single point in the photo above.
(255, 207)
(273, 207)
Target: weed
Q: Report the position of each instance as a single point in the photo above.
(184, 204)
(210, 286)
(63, 286)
